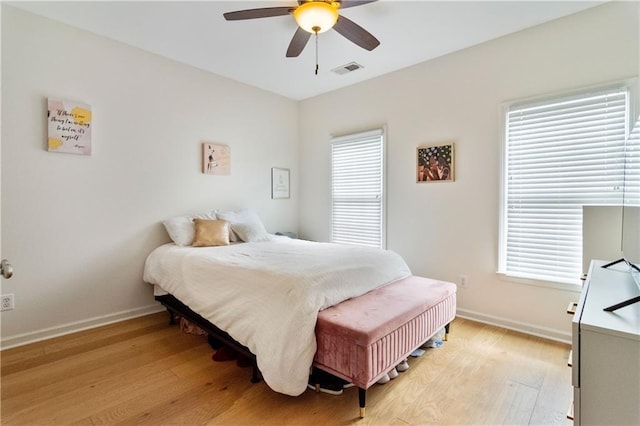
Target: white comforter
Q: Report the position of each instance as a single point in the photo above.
(267, 295)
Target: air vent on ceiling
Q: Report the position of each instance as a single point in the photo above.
(344, 69)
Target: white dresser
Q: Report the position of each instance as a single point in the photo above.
(606, 350)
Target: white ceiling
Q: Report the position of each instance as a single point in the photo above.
(253, 51)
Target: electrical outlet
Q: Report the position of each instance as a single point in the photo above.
(6, 302)
(464, 281)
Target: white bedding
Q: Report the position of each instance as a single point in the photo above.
(267, 295)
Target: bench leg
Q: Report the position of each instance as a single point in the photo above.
(362, 399)
(446, 332)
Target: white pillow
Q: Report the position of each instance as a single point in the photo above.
(181, 229)
(246, 225)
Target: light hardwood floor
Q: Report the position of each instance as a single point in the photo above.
(144, 371)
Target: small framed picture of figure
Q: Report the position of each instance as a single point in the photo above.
(435, 163)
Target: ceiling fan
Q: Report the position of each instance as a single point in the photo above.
(314, 17)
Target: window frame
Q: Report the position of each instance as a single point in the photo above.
(632, 109)
(380, 132)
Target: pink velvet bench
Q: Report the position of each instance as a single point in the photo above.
(361, 339)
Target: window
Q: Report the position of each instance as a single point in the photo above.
(357, 189)
(559, 155)
(632, 166)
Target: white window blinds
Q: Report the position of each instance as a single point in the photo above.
(559, 155)
(357, 188)
(632, 167)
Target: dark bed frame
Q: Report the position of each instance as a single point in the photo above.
(216, 336)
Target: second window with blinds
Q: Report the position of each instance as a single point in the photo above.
(357, 189)
(560, 154)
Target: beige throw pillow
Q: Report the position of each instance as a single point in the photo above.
(210, 233)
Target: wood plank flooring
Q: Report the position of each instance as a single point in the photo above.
(144, 371)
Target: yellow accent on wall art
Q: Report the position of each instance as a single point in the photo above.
(69, 125)
(81, 116)
(54, 144)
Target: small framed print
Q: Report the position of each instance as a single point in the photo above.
(435, 163)
(216, 159)
(279, 183)
(69, 127)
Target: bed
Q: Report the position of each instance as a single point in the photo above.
(263, 294)
(266, 295)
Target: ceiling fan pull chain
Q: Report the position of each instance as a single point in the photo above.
(316, 52)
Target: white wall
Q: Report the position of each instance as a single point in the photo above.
(447, 229)
(77, 229)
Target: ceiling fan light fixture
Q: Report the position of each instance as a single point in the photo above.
(316, 16)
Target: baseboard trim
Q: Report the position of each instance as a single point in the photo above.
(62, 330)
(544, 332)
(74, 327)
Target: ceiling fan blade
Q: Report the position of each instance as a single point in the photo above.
(265, 12)
(298, 42)
(355, 33)
(353, 3)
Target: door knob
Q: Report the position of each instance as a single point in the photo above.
(6, 269)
